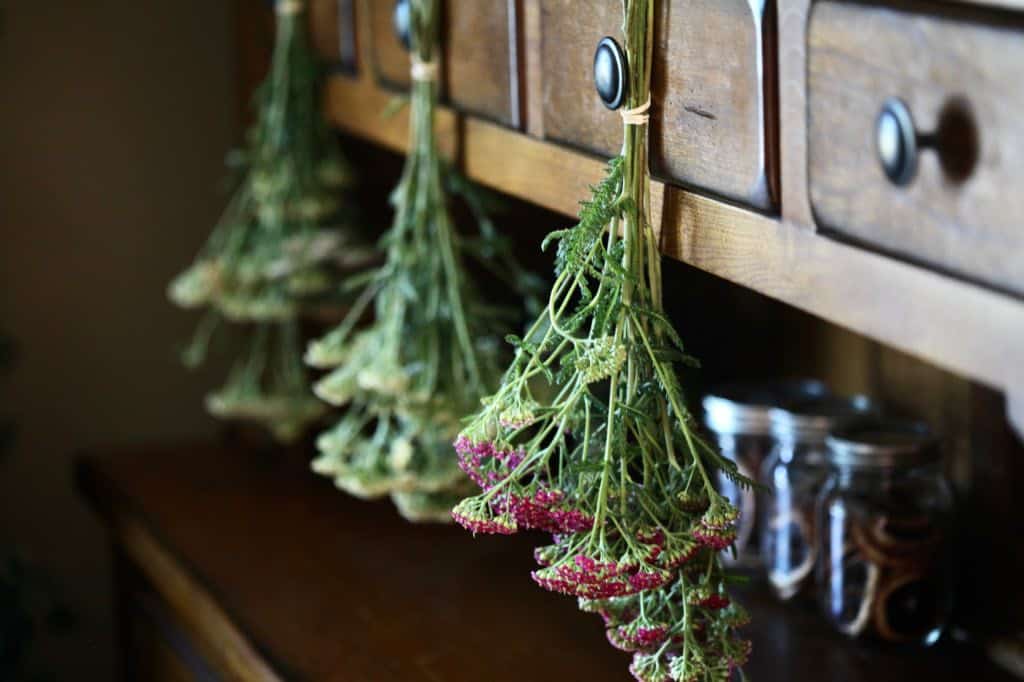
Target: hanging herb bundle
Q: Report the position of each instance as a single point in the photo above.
(281, 244)
(589, 438)
(433, 349)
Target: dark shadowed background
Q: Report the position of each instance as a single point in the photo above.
(114, 121)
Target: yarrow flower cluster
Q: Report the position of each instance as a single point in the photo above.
(433, 348)
(268, 384)
(589, 438)
(280, 245)
(716, 527)
(671, 636)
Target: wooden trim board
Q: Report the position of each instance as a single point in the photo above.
(221, 642)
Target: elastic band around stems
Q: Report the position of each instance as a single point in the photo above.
(289, 7)
(423, 71)
(637, 116)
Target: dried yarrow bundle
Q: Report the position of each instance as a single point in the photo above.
(282, 243)
(268, 384)
(433, 348)
(589, 438)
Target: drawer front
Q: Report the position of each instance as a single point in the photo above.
(713, 93)
(332, 31)
(961, 80)
(478, 72)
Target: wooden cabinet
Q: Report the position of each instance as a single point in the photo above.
(763, 148)
(713, 91)
(333, 31)
(478, 73)
(959, 75)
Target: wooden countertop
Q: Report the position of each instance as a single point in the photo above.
(284, 577)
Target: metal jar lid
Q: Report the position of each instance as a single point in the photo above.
(744, 409)
(882, 443)
(814, 419)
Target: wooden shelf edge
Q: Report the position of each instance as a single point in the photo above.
(227, 648)
(956, 325)
(223, 645)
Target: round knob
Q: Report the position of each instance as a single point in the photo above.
(610, 73)
(401, 21)
(896, 142)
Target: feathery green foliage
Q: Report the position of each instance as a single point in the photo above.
(589, 437)
(433, 347)
(281, 245)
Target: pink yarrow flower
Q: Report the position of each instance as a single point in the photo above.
(484, 462)
(716, 539)
(472, 515)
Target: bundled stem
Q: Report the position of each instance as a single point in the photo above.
(280, 245)
(589, 437)
(432, 350)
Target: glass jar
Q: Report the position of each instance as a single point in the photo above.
(795, 472)
(738, 416)
(884, 522)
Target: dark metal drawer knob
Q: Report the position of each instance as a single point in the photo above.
(610, 73)
(896, 141)
(401, 21)
(955, 141)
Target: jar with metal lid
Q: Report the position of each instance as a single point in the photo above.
(738, 416)
(884, 522)
(795, 472)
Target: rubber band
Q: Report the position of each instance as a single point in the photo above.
(637, 116)
(423, 71)
(289, 7)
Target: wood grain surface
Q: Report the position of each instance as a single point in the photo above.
(960, 80)
(211, 629)
(332, 32)
(714, 79)
(531, 66)
(481, 77)
(792, 87)
(325, 28)
(890, 301)
(330, 588)
(711, 113)
(155, 645)
(477, 72)
(359, 107)
(390, 59)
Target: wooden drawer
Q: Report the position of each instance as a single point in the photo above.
(333, 34)
(713, 109)
(478, 71)
(961, 78)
